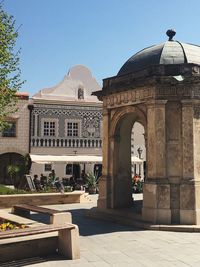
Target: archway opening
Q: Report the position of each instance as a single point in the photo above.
(138, 163)
(138, 150)
(128, 138)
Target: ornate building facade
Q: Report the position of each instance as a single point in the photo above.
(66, 120)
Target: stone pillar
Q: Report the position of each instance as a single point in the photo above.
(174, 155)
(190, 184)
(104, 182)
(156, 193)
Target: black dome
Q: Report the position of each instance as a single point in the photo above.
(170, 52)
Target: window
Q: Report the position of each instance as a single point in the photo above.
(72, 129)
(47, 167)
(49, 128)
(68, 169)
(10, 130)
(80, 93)
(73, 170)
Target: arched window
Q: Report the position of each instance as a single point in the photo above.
(80, 93)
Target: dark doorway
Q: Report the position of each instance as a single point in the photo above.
(73, 170)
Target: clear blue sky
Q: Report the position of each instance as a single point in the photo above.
(100, 34)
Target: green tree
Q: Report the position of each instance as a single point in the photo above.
(10, 81)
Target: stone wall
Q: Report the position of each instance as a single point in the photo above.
(20, 143)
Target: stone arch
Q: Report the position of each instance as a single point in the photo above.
(121, 112)
(120, 143)
(13, 150)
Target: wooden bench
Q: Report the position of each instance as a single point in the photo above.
(56, 216)
(68, 237)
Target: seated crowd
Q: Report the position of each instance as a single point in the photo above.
(43, 182)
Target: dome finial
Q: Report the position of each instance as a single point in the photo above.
(170, 33)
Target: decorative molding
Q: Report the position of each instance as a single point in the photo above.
(127, 98)
(67, 111)
(64, 107)
(141, 95)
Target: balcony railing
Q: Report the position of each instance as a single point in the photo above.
(63, 142)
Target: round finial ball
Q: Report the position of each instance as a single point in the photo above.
(170, 33)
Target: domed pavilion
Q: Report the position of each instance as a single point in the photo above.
(158, 87)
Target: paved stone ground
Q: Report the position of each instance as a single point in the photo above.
(108, 244)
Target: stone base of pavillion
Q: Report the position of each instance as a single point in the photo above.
(158, 206)
(133, 217)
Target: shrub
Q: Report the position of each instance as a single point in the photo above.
(9, 191)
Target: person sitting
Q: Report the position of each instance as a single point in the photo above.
(72, 182)
(37, 183)
(59, 185)
(43, 180)
(83, 176)
(51, 178)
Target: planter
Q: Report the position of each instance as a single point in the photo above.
(38, 199)
(92, 190)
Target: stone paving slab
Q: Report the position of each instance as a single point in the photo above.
(109, 244)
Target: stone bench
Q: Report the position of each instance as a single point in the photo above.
(56, 216)
(68, 237)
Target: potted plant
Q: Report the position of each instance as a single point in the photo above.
(13, 171)
(91, 182)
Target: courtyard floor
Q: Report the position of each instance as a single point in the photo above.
(108, 244)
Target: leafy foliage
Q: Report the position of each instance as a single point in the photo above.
(138, 187)
(4, 190)
(9, 66)
(91, 179)
(13, 170)
(26, 166)
(17, 172)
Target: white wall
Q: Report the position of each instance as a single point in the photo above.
(38, 168)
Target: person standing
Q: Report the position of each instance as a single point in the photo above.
(52, 177)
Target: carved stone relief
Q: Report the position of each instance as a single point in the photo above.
(128, 98)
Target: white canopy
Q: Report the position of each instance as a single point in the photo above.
(73, 158)
(64, 158)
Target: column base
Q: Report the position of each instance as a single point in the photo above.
(156, 216)
(191, 217)
(102, 203)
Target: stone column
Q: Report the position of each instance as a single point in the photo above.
(156, 193)
(104, 182)
(190, 184)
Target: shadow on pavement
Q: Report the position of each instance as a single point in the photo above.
(34, 260)
(88, 226)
